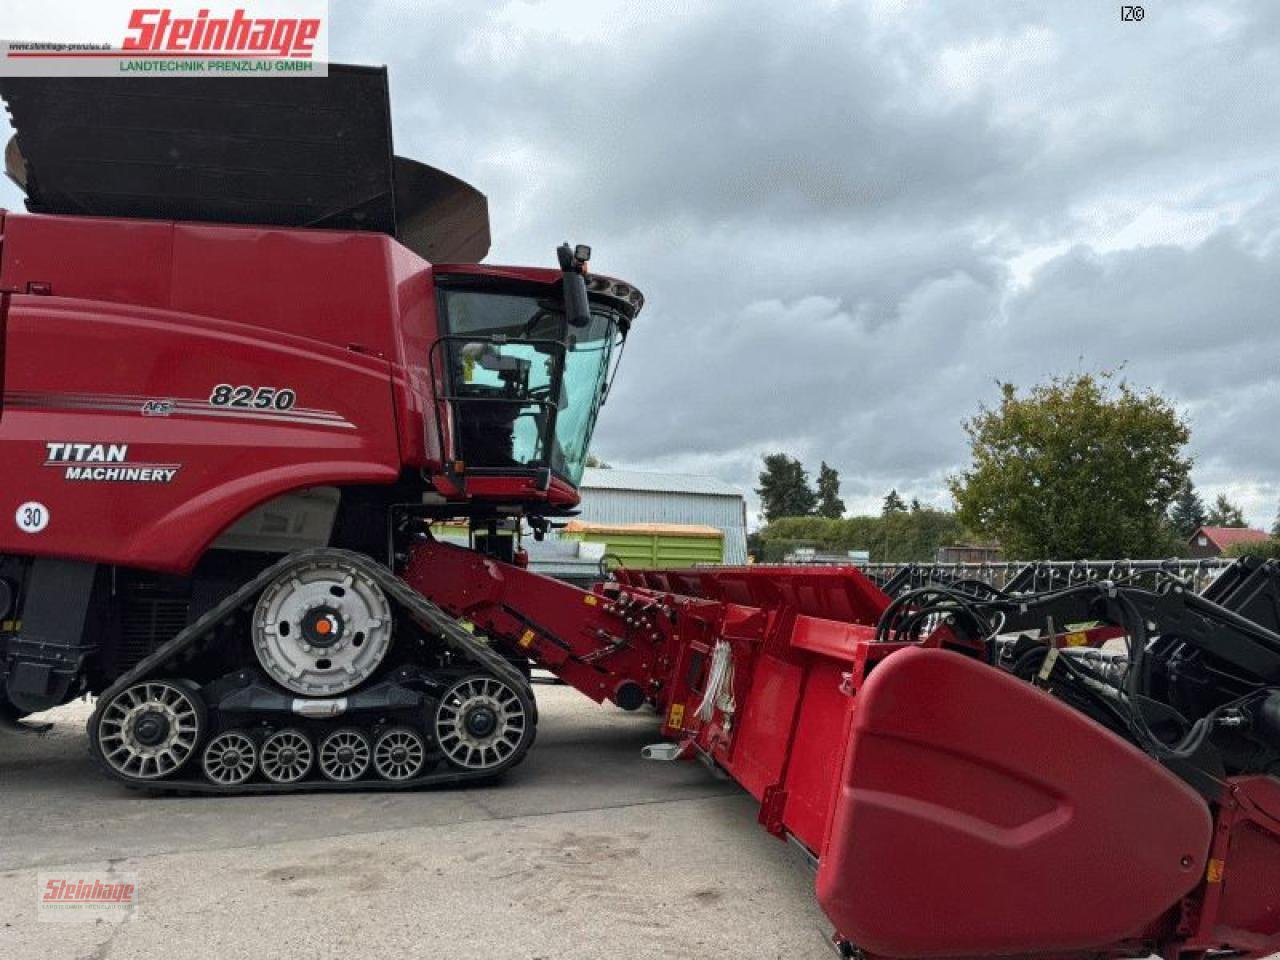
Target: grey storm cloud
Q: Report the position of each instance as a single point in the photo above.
(852, 219)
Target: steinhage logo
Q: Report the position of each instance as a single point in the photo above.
(162, 30)
(206, 37)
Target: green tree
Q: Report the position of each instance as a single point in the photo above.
(1267, 549)
(1224, 513)
(892, 504)
(897, 537)
(829, 503)
(1187, 515)
(1079, 467)
(1275, 527)
(594, 461)
(784, 489)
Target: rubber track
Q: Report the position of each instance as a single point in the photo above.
(425, 613)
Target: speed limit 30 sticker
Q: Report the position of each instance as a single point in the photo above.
(32, 517)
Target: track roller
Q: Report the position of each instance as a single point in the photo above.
(230, 758)
(286, 756)
(151, 729)
(399, 754)
(345, 755)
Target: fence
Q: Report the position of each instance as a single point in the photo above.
(1019, 577)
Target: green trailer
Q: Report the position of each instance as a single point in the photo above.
(653, 545)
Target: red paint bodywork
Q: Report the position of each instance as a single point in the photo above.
(954, 810)
(101, 316)
(964, 784)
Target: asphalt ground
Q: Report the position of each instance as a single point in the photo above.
(584, 851)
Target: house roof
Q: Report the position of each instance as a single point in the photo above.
(1223, 537)
(594, 478)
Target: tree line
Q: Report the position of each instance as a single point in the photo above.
(1079, 467)
(1188, 513)
(799, 514)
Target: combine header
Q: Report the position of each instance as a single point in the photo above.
(229, 438)
(953, 761)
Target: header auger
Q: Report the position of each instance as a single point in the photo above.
(227, 533)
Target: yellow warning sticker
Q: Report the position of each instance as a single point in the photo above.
(468, 369)
(675, 718)
(591, 600)
(526, 640)
(1076, 639)
(1214, 873)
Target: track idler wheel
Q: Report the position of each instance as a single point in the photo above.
(399, 754)
(286, 756)
(151, 729)
(483, 723)
(345, 755)
(230, 758)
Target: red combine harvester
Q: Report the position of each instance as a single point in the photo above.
(228, 436)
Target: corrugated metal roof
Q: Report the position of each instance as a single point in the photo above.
(680, 529)
(600, 479)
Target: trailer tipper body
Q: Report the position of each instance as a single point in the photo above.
(247, 373)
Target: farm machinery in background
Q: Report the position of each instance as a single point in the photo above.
(250, 364)
(1039, 576)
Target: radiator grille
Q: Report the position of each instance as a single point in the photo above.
(148, 618)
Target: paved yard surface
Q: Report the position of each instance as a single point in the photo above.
(585, 851)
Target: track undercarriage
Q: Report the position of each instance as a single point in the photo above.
(347, 680)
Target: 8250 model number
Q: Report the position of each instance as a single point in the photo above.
(252, 398)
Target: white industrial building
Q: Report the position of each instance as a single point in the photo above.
(633, 496)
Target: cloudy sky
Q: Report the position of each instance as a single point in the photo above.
(852, 219)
